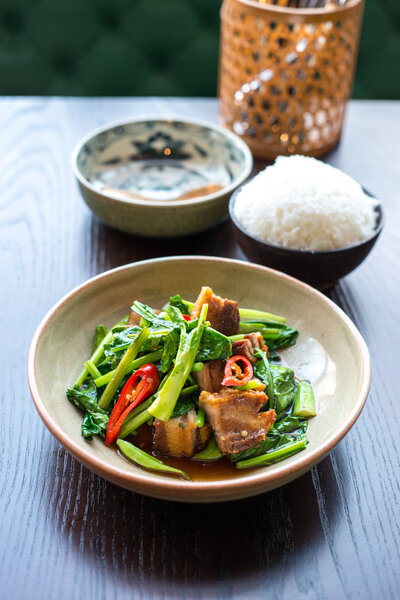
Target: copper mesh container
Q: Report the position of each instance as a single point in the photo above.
(285, 74)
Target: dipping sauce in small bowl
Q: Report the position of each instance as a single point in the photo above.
(307, 219)
(160, 177)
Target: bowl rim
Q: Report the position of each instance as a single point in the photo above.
(303, 12)
(248, 485)
(235, 139)
(297, 251)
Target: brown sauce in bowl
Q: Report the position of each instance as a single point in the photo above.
(211, 188)
(199, 471)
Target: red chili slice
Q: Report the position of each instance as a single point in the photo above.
(186, 317)
(142, 384)
(238, 371)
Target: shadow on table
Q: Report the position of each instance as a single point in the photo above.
(168, 549)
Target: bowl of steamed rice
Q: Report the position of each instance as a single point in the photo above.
(306, 218)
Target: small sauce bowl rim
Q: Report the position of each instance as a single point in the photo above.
(235, 139)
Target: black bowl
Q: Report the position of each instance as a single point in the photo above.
(321, 269)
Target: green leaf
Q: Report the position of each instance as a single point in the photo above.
(151, 317)
(85, 399)
(184, 404)
(259, 448)
(287, 337)
(171, 345)
(284, 389)
(273, 356)
(171, 342)
(120, 341)
(262, 370)
(290, 424)
(145, 311)
(275, 455)
(213, 345)
(286, 431)
(176, 317)
(123, 367)
(192, 324)
(99, 336)
(179, 304)
(276, 335)
(89, 427)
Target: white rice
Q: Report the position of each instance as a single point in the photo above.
(305, 204)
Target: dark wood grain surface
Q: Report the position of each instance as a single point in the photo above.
(68, 534)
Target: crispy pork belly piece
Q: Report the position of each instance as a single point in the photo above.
(248, 344)
(243, 348)
(223, 314)
(256, 340)
(134, 319)
(210, 378)
(235, 418)
(180, 436)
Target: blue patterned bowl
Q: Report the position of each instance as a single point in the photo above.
(160, 177)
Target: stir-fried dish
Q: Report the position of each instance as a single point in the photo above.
(203, 380)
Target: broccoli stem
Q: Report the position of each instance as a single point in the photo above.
(100, 334)
(267, 332)
(253, 384)
(191, 380)
(266, 376)
(273, 456)
(93, 370)
(147, 461)
(122, 368)
(304, 404)
(189, 343)
(132, 421)
(189, 390)
(152, 357)
(211, 452)
(133, 424)
(98, 353)
(201, 417)
(249, 313)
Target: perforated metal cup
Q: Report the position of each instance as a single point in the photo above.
(285, 74)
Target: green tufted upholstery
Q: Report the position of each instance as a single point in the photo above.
(151, 47)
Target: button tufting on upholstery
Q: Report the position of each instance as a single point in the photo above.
(158, 47)
(110, 20)
(64, 64)
(12, 21)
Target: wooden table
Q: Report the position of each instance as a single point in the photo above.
(68, 534)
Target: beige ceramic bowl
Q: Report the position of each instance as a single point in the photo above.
(140, 176)
(330, 352)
